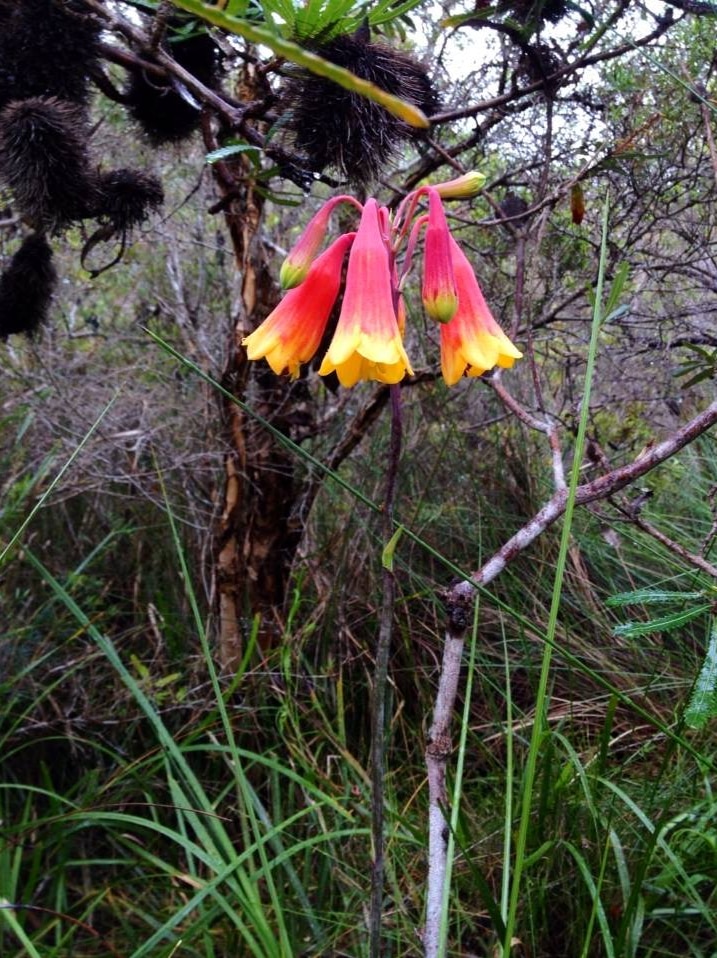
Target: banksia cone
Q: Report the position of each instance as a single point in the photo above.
(47, 48)
(44, 161)
(26, 288)
(539, 63)
(335, 127)
(536, 11)
(127, 197)
(165, 114)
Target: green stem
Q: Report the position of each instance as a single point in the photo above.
(543, 698)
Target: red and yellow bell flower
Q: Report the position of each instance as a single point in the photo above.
(440, 297)
(368, 340)
(292, 333)
(367, 343)
(472, 342)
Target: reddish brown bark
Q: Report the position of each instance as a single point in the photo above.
(256, 539)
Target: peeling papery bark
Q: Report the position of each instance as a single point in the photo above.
(459, 602)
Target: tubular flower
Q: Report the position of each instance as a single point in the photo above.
(367, 343)
(291, 334)
(295, 267)
(440, 297)
(368, 340)
(472, 342)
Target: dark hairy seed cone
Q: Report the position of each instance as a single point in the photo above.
(26, 288)
(513, 206)
(44, 161)
(335, 127)
(163, 113)
(127, 197)
(47, 48)
(534, 11)
(538, 62)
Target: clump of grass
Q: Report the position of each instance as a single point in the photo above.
(147, 801)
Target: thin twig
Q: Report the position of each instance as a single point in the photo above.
(380, 685)
(674, 547)
(459, 603)
(546, 426)
(709, 136)
(600, 488)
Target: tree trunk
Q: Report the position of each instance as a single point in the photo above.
(256, 538)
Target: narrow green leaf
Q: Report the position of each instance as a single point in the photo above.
(8, 915)
(390, 548)
(617, 313)
(618, 284)
(543, 849)
(703, 702)
(310, 61)
(321, 17)
(700, 378)
(652, 597)
(586, 873)
(701, 351)
(387, 11)
(282, 9)
(237, 8)
(666, 623)
(224, 152)
(452, 23)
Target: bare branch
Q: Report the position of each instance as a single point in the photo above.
(599, 488)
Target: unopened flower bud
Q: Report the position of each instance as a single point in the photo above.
(295, 267)
(462, 188)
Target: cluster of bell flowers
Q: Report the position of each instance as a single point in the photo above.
(368, 341)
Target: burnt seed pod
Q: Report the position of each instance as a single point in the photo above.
(26, 288)
(127, 197)
(337, 128)
(165, 114)
(44, 161)
(47, 48)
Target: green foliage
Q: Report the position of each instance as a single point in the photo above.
(703, 704)
(700, 368)
(689, 605)
(169, 837)
(272, 38)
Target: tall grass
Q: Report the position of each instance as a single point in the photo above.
(151, 808)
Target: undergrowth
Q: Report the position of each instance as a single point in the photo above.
(150, 807)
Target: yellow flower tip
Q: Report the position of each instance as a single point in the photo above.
(259, 343)
(473, 342)
(360, 356)
(367, 343)
(292, 332)
(463, 187)
(357, 368)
